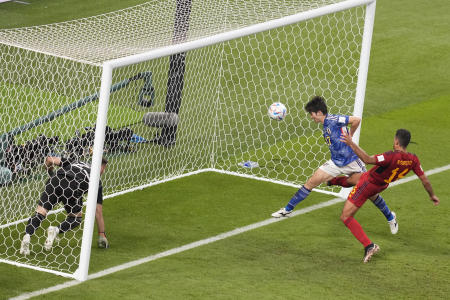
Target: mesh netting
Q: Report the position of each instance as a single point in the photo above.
(145, 27)
(49, 81)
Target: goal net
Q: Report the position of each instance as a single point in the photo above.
(168, 89)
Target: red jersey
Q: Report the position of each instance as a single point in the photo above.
(393, 165)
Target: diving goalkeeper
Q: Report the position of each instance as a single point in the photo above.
(67, 186)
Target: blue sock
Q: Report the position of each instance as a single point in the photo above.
(301, 194)
(382, 206)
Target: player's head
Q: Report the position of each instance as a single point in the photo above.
(317, 108)
(104, 163)
(402, 137)
(316, 104)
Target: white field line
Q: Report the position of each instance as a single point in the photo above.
(206, 241)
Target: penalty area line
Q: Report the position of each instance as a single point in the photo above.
(206, 241)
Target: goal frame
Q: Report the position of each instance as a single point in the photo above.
(107, 68)
(106, 82)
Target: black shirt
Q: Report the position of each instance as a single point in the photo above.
(80, 171)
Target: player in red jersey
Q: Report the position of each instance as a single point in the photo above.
(389, 166)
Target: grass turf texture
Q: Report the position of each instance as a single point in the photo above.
(310, 257)
(314, 254)
(406, 88)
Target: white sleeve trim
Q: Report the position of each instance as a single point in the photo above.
(380, 158)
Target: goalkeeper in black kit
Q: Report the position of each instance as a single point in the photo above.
(67, 186)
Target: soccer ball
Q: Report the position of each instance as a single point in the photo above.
(277, 111)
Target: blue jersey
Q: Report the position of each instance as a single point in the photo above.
(341, 153)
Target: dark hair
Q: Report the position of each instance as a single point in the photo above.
(315, 104)
(403, 137)
(104, 161)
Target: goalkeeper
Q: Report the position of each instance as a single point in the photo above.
(67, 186)
(343, 159)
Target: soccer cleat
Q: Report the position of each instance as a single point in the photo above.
(25, 245)
(281, 213)
(393, 224)
(52, 233)
(370, 251)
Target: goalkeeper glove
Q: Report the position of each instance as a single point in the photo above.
(103, 242)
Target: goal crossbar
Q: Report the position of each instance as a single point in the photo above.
(234, 34)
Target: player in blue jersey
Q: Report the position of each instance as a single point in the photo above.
(343, 159)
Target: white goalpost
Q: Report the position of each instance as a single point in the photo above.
(169, 89)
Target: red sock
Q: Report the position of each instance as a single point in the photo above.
(357, 231)
(340, 180)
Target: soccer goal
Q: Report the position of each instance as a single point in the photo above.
(168, 89)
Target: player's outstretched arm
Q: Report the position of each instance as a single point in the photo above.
(102, 240)
(366, 158)
(354, 124)
(427, 185)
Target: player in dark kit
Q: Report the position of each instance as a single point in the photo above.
(389, 166)
(67, 186)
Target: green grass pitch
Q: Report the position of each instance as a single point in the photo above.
(312, 256)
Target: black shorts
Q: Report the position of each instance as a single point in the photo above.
(64, 190)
